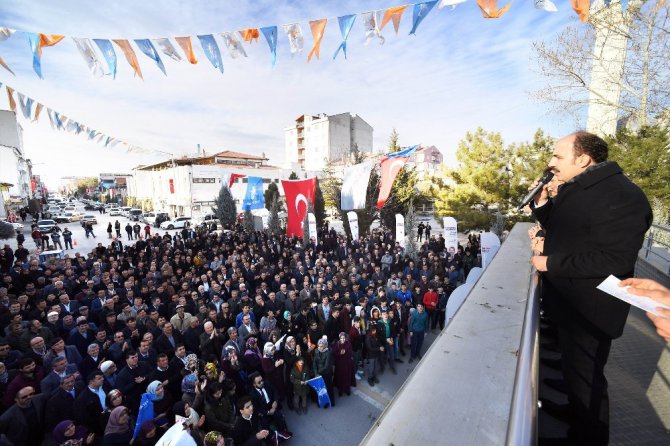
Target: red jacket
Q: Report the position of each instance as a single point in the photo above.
(430, 300)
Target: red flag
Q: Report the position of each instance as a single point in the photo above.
(298, 194)
(390, 168)
(233, 177)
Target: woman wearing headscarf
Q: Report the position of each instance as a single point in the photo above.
(183, 410)
(298, 375)
(344, 364)
(114, 399)
(190, 379)
(290, 353)
(323, 366)
(67, 431)
(273, 369)
(118, 431)
(162, 404)
(251, 360)
(147, 435)
(233, 369)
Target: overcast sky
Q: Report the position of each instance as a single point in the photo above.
(458, 72)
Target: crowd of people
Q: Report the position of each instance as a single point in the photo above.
(218, 330)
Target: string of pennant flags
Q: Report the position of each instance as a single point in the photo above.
(373, 23)
(32, 110)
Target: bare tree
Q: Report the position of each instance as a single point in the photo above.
(617, 64)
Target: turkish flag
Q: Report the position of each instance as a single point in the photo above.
(298, 194)
(233, 177)
(390, 168)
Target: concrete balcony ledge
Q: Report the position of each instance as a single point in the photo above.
(462, 391)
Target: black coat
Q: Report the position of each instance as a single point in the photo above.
(15, 425)
(163, 343)
(87, 410)
(594, 227)
(60, 407)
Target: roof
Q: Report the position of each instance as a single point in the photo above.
(209, 159)
(238, 155)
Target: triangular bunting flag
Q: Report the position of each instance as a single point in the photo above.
(270, 33)
(90, 57)
(318, 27)
(26, 105)
(419, 13)
(5, 66)
(295, 39)
(451, 3)
(51, 119)
(250, 34)
(211, 50)
(130, 55)
(490, 8)
(107, 50)
(371, 24)
(10, 98)
(166, 48)
(346, 22)
(148, 49)
(5, 33)
(38, 110)
(394, 14)
(581, 7)
(37, 42)
(187, 48)
(235, 48)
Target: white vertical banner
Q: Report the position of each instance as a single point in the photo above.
(355, 186)
(311, 223)
(353, 224)
(450, 234)
(490, 244)
(400, 229)
(225, 179)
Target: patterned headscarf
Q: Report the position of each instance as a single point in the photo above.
(211, 368)
(190, 358)
(188, 383)
(251, 343)
(212, 438)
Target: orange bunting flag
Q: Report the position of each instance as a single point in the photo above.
(38, 110)
(130, 55)
(10, 99)
(48, 40)
(394, 14)
(318, 27)
(490, 8)
(5, 66)
(187, 47)
(250, 34)
(581, 7)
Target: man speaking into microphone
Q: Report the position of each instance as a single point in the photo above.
(595, 227)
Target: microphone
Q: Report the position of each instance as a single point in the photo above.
(546, 178)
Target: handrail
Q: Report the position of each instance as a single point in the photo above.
(652, 239)
(522, 428)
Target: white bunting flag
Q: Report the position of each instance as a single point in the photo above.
(400, 229)
(235, 48)
(371, 25)
(450, 234)
(86, 50)
(167, 48)
(295, 38)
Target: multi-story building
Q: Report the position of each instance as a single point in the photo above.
(427, 161)
(189, 186)
(14, 167)
(314, 140)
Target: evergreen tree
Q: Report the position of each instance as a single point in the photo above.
(331, 184)
(248, 221)
(411, 247)
(393, 141)
(293, 176)
(319, 205)
(274, 225)
(225, 209)
(269, 194)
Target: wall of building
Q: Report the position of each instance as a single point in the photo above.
(13, 165)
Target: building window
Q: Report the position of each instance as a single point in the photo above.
(266, 180)
(204, 180)
(245, 180)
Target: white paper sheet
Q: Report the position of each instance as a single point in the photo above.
(611, 286)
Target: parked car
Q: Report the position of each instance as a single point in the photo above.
(115, 211)
(124, 210)
(135, 214)
(90, 207)
(207, 219)
(89, 218)
(46, 225)
(152, 217)
(67, 217)
(16, 226)
(177, 223)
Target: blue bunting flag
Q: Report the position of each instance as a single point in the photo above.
(346, 23)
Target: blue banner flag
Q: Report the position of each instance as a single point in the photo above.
(146, 411)
(420, 12)
(34, 40)
(405, 152)
(254, 198)
(270, 33)
(211, 50)
(109, 54)
(148, 49)
(346, 22)
(320, 387)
